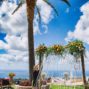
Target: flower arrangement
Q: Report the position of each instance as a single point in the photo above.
(57, 49)
(41, 50)
(75, 47)
(11, 75)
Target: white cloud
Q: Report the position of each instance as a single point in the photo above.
(13, 57)
(17, 43)
(17, 23)
(82, 27)
(3, 45)
(15, 27)
(13, 24)
(82, 30)
(45, 10)
(16, 46)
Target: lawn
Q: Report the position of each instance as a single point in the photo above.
(65, 87)
(62, 87)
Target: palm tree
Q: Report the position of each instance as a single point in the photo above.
(30, 16)
(77, 49)
(83, 69)
(30, 5)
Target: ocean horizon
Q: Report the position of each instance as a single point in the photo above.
(24, 74)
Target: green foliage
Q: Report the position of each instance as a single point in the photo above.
(41, 50)
(75, 48)
(65, 87)
(50, 4)
(55, 49)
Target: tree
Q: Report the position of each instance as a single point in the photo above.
(30, 5)
(30, 16)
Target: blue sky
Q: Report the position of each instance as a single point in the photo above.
(60, 25)
(68, 25)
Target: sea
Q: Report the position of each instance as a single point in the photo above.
(23, 74)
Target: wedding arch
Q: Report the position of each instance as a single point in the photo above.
(75, 48)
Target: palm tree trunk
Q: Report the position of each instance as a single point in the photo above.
(83, 69)
(30, 17)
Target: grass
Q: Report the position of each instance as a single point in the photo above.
(65, 87)
(61, 87)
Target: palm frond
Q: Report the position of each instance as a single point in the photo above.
(19, 5)
(1, 2)
(38, 11)
(67, 2)
(51, 6)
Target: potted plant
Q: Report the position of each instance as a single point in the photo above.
(11, 76)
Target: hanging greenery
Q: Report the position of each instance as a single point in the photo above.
(55, 49)
(75, 48)
(41, 50)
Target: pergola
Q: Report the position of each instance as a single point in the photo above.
(75, 48)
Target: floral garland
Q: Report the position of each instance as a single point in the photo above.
(75, 47)
(41, 50)
(55, 49)
(58, 49)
